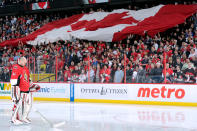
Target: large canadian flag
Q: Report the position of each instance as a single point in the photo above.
(40, 5)
(110, 26)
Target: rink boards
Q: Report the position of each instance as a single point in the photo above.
(153, 94)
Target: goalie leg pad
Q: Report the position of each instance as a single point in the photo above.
(15, 93)
(23, 107)
(27, 107)
(16, 112)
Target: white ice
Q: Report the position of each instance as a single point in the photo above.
(60, 116)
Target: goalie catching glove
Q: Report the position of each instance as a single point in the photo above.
(34, 88)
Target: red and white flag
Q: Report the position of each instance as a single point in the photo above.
(40, 5)
(110, 26)
(94, 1)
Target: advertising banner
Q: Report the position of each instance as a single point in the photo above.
(163, 92)
(102, 91)
(137, 92)
(5, 89)
(160, 94)
(48, 91)
(53, 90)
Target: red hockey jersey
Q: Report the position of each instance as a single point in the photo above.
(22, 75)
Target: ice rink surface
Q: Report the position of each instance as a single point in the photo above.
(61, 116)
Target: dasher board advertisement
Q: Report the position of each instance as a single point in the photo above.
(137, 92)
(53, 90)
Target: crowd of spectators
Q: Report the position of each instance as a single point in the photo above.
(19, 26)
(97, 61)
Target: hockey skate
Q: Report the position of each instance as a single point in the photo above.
(26, 120)
(16, 122)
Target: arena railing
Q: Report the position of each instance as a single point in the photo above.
(41, 68)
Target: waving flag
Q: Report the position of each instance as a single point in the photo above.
(94, 1)
(40, 5)
(110, 26)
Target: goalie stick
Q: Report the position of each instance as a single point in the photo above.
(35, 88)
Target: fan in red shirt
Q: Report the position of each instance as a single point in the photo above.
(60, 64)
(21, 51)
(169, 73)
(90, 48)
(102, 45)
(72, 66)
(45, 57)
(11, 58)
(67, 74)
(134, 53)
(105, 74)
(155, 59)
(148, 66)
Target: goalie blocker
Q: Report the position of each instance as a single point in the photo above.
(34, 88)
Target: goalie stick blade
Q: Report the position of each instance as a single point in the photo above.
(49, 122)
(59, 124)
(42, 117)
